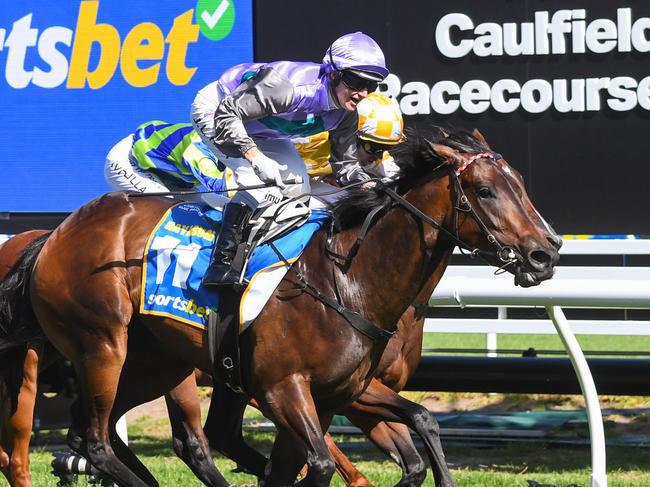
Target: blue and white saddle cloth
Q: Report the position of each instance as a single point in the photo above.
(177, 256)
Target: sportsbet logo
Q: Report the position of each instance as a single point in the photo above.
(145, 55)
(189, 307)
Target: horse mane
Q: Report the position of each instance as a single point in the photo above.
(416, 159)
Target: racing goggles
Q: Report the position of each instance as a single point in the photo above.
(373, 148)
(357, 83)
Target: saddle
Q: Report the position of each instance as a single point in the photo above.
(223, 326)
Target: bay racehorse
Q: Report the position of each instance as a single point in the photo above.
(85, 287)
(18, 388)
(398, 363)
(184, 410)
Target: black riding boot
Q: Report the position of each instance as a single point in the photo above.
(220, 272)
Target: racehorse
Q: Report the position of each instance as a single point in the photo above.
(184, 411)
(18, 386)
(85, 287)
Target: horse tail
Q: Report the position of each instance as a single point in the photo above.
(18, 324)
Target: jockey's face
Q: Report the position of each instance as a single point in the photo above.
(348, 97)
(370, 153)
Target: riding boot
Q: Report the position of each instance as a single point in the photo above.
(220, 272)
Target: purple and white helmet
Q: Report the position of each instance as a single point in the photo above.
(359, 53)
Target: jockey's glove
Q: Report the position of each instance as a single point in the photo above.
(268, 170)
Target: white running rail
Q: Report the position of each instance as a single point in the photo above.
(571, 287)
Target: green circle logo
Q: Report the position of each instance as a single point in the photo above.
(216, 18)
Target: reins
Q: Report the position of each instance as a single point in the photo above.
(505, 254)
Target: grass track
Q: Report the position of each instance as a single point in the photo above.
(506, 466)
(501, 466)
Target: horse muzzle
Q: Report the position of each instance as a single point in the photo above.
(535, 266)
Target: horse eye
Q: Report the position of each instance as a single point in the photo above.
(484, 192)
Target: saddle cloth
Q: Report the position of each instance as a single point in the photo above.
(177, 255)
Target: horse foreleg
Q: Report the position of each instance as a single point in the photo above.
(385, 404)
(348, 472)
(17, 427)
(223, 428)
(394, 439)
(189, 441)
(300, 436)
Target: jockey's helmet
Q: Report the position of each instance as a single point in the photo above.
(380, 120)
(358, 54)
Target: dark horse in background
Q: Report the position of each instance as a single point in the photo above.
(85, 290)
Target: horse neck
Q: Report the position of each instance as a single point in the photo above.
(401, 259)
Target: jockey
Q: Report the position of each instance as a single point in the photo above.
(162, 157)
(379, 129)
(248, 116)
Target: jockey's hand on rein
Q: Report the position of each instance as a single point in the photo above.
(268, 170)
(369, 185)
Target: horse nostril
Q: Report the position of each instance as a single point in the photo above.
(539, 259)
(554, 240)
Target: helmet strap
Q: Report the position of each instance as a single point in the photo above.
(335, 75)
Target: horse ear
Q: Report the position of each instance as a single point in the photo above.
(478, 135)
(447, 154)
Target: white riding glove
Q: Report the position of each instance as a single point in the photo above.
(268, 170)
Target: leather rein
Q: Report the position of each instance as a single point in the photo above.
(505, 254)
(462, 204)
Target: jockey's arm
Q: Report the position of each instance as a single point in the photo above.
(386, 168)
(266, 93)
(198, 159)
(344, 159)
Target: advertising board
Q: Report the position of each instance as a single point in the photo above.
(78, 76)
(560, 87)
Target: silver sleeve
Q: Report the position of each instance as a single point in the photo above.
(344, 158)
(266, 93)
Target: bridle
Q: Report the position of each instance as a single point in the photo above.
(505, 254)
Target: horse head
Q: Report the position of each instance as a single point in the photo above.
(488, 212)
(495, 217)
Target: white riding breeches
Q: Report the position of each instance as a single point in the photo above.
(123, 175)
(283, 152)
(324, 195)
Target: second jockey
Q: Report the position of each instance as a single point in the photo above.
(163, 157)
(380, 128)
(248, 116)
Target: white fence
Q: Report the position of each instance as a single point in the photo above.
(572, 287)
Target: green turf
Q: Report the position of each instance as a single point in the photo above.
(539, 342)
(471, 467)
